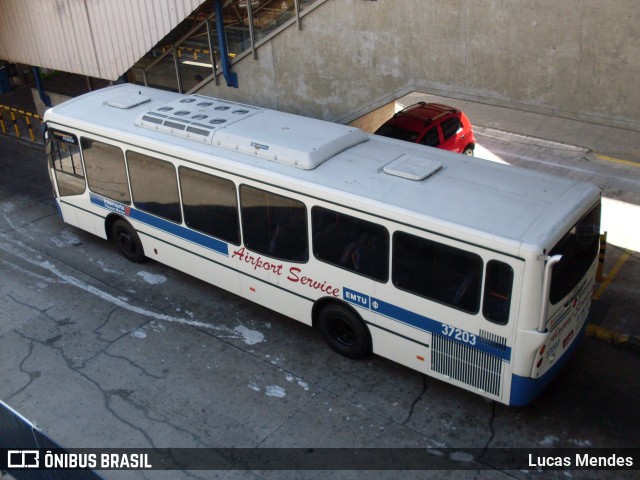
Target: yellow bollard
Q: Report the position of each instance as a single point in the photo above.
(29, 127)
(15, 124)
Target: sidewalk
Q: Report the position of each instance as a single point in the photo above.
(610, 142)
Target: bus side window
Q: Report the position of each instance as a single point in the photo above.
(106, 171)
(154, 186)
(351, 243)
(64, 156)
(210, 204)
(497, 292)
(437, 271)
(274, 225)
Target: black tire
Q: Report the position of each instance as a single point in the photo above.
(468, 151)
(127, 241)
(344, 331)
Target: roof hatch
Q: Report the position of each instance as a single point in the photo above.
(128, 100)
(413, 168)
(301, 142)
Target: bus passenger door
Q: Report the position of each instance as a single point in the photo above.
(255, 274)
(67, 177)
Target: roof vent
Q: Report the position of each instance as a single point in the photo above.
(293, 140)
(412, 168)
(195, 117)
(276, 136)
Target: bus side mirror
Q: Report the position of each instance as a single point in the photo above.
(47, 143)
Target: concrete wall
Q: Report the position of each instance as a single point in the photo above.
(574, 58)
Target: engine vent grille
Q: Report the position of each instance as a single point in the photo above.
(466, 364)
(492, 340)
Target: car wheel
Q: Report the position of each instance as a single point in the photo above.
(468, 151)
(127, 241)
(344, 331)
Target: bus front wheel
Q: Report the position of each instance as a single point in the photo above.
(127, 241)
(344, 331)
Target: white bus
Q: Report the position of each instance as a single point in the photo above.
(472, 272)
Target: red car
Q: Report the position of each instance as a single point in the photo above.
(433, 125)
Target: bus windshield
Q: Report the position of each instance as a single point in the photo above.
(578, 248)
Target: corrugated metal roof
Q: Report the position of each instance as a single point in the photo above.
(98, 38)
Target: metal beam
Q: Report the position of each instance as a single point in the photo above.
(229, 76)
(38, 79)
(251, 32)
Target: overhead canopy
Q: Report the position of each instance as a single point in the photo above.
(88, 37)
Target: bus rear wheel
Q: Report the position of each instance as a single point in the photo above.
(127, 241)
(344, 331)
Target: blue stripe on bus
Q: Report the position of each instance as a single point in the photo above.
(426, 324)
(352, 296)
(161, 224)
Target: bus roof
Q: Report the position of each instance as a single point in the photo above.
(490, 204)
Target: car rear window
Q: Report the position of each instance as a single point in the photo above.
(399, 133)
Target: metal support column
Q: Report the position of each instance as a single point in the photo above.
(251, 32)
(229, 76)
(176, 65)
(297, 6)
(38, 78)
(212, 51)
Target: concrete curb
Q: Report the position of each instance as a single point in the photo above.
(613, 338)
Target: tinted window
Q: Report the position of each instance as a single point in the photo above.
(106, 171)
(351, 243)
(450, 127)
(578, 248)
(497, 292)
(437, 271)
(431, 138)
(210, 204)
(399, 133)
(274, 225)
(64, 156)
(154, 186)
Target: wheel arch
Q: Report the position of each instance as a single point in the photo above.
(348, 311)
(109, 221)
(324, 301)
